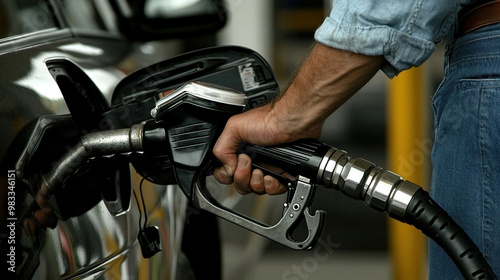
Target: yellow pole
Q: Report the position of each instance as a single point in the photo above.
(408, 153)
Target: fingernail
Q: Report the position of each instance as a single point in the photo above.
(242, 161)
(228, 172)
(268, 182)
(256, 177)
(223, 173)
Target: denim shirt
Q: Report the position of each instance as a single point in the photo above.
(403, 31)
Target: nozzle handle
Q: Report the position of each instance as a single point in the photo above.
(282, 232)
(303, 157)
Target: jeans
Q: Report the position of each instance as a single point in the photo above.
(466, 152)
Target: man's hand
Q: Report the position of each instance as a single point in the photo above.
(327, 79)
(259, 126)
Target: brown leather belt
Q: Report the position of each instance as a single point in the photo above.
(479, 16)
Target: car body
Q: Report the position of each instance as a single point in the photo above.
(49, 51)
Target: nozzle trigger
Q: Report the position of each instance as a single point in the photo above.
(282, 232)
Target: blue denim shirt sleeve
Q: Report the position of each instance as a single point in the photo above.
(404, 32)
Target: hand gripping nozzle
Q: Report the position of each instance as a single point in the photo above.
(193, 116)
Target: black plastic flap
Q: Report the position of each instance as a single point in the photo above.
(230, 66)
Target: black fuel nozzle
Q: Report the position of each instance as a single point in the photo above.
(193, 117)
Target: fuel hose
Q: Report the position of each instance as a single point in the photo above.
(380, 189)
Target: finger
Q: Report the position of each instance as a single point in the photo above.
(257, 182)
(222, 177)
(45, 217)
(42, 195)
(242, 174)
(273, 186)
(225, 148)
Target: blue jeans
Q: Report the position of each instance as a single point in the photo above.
(466, 152)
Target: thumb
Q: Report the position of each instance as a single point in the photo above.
(225, 150)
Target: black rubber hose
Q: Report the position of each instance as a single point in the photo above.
(426, 215)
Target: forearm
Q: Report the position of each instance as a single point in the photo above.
(327, 79)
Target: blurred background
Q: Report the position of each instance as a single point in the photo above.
(389, 122)
(357, 241)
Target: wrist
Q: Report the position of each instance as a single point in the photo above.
(294, 118)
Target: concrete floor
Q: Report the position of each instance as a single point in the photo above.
(259, 260)
(315, 265)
